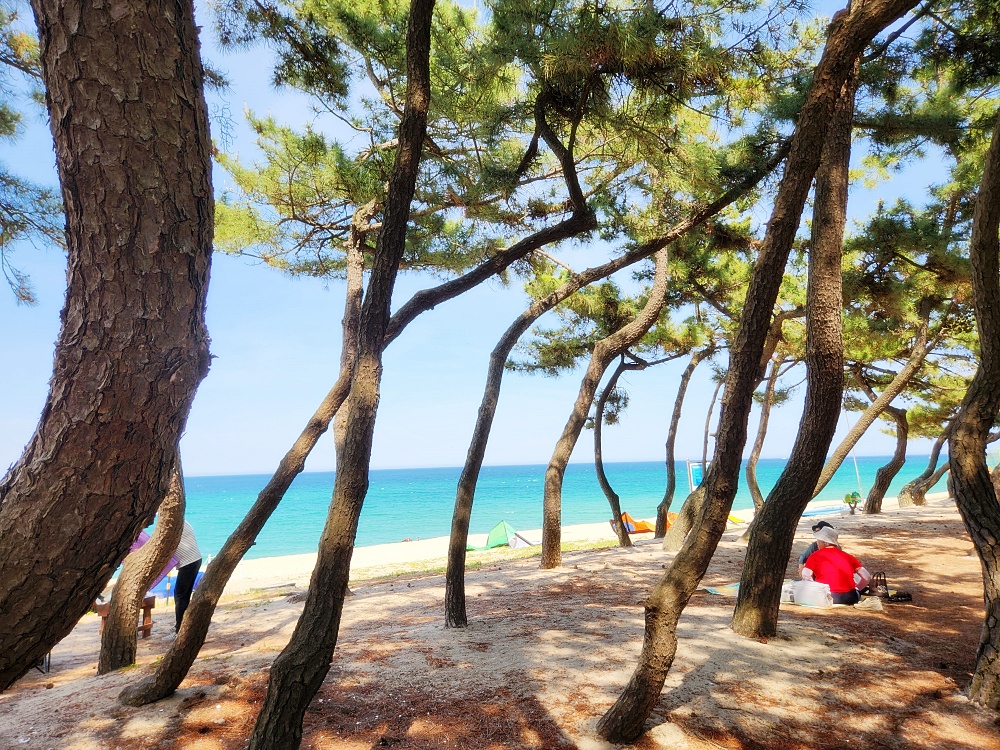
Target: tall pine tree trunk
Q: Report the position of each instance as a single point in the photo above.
(174, 666)
(675, 419)
(885, 474)
(770, 540)
(758, 443)
(602, 478)
(122, 78)
(118, 641)
(974, 493)
(604, 352)
(850, 32)
(299, 670)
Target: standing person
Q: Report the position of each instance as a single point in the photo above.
(834, 567)
(813, 546)
(188, 564)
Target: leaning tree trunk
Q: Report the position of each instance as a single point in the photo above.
(299, 670)
(123, 78)
(770, 540)
(885, 474)
(850, 31)
(604, 351)
(174, 666)
(917, 488)
(708, 426)
(758, 443)
(686, 520)
(668, 495)
(118, 641)
(919, 351)
(974, 494)
(602, 478)
(455, 610)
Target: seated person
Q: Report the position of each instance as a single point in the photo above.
(831, 565)
(812, 547)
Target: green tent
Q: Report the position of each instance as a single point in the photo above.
(503, 534)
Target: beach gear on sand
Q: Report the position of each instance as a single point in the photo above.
(635, 527)
(500, 535)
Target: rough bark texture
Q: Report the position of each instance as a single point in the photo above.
(174, 666)
(675, 419)
(770, 540)
(974, 494)
(604, 352)
(624, 540)
(118, 641)
(885, 474)
(122, 78)
(686, 519)
(301, 667)
(849, 32)
(913, 492)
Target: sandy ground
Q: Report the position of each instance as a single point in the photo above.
(547, 652)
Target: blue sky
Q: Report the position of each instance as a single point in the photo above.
(277, 343)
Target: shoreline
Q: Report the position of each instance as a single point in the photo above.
(295, 570)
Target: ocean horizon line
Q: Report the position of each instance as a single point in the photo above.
(458, 467)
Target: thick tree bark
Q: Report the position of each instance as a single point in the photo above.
(885, 474)
(602, 478)
(299, 670)
(675, 419)
(974, 494)
(758, 443)
(118, 641)
(849, 32)
(121, 78)
(687, 519)
(773, 530)
(174, 666)
(604, 352)
(921, 348)
(913, 492)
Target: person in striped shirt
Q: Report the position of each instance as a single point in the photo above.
(188, 564)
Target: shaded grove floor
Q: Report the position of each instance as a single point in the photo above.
(547, 652)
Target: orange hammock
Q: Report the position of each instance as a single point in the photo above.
(636, 527)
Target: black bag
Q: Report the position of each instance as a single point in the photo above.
(878, 586)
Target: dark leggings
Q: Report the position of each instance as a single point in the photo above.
(185, 585)
(848, 597)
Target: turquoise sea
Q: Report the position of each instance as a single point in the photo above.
(418, 503)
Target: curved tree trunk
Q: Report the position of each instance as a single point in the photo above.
(850, 31)
(708, 426)
(885, 474)
(921, 348)
(133, 344)
(908, 494)
(773, 531)
(686, 520)
(455, 610)
(668, 496)
(604, 351)
(118, 641)
(301, 667)
(974, 494)
(602, 479)
(758, 443)
(174, 666)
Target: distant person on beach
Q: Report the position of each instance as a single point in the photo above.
(831, 565)
(812, 547)
(188, 564)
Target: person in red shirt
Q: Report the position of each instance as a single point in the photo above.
(834, 567)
